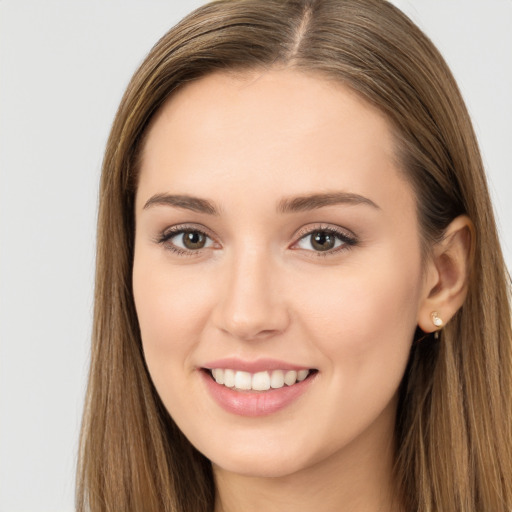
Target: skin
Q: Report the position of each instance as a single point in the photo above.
(260, 289)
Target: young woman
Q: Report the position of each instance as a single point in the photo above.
(301, 303)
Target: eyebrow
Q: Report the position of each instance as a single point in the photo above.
(286, 205)
(182, 201)
(314, 201)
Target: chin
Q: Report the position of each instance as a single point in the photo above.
(260, 465)
(267, 456)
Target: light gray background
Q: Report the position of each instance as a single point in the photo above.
(63, 67)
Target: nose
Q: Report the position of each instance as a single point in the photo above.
(252, 305)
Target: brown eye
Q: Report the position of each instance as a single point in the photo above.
(194, 240)
(326, 240)
(185, 241)
(322, 240)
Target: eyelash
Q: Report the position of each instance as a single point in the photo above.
(348, 241)
(165, 237)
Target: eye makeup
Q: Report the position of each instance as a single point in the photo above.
(323, 240)
(328, 240)
(194, 239)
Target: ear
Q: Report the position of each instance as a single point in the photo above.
(446, 281)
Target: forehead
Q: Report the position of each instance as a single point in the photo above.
(279, 131)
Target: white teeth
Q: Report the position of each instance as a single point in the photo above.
(260, 381)
(229, 378)
(290, 377)
(243, 380)
(302, 374)
(218, 375)
(277, 379)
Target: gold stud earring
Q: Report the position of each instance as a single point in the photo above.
(436, 319)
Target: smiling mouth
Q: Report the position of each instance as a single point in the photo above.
(259, 381)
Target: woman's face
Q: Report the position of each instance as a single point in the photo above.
(276, 238)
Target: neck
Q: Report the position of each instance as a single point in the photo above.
(358, 478)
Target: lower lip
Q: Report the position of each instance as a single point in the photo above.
(255, 403)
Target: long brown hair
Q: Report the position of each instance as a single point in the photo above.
(454, 420)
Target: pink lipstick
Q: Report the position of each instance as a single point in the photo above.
(255, 388)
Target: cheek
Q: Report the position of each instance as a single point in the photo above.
(363, 317)
(362, 321)
(170, 312)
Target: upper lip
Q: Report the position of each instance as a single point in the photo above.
(258, 365)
